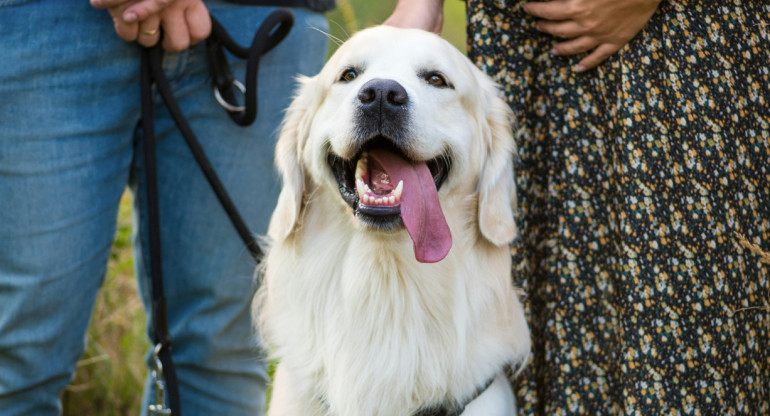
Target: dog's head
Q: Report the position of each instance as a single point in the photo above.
(396, 122)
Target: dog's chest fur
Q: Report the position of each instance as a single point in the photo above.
(363, 329)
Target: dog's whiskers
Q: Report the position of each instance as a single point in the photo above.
(337, 41)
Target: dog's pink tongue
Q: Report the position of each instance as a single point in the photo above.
(420, 208)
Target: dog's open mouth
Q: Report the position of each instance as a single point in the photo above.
(387, 189)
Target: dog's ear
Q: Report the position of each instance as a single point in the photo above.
(288, 150)
(497, 187)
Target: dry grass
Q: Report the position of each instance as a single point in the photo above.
(762, 257)
(110, 377)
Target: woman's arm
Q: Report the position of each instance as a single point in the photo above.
(421, 14)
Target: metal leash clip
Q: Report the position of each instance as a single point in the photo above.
(159, 408)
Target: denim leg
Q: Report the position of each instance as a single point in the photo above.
(65, 155)
(208, 273)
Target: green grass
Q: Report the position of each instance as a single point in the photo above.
(110, 377)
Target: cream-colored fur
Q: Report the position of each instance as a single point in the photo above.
(359, 326)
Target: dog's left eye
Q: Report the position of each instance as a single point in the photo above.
(436, 79)
(348, 75)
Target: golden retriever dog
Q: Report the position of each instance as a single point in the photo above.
(387, 287)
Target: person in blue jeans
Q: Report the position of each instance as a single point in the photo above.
(69, 146)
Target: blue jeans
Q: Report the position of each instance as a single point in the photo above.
(69, 106)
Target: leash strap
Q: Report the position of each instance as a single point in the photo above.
(272, 31)
(162, 362)
(458, 409)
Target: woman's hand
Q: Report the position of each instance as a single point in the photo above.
(604, 26)
(420, 14)
(184, 22)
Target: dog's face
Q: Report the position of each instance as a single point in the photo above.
(396, 123)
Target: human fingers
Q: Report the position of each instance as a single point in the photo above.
(145, 8)
(599, 55)
(127, 31)
(574, 46)
(198, 22)
(565, 29)
(149, 31)
(550, 10)
(106, 4)
(136, 10)
(176, 35)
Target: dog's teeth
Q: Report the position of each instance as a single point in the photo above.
(361, 166)
(361, 188)
(368, 197)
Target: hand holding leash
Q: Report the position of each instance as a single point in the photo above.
(184, 22)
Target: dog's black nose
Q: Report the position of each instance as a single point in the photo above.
(383, 110)
(384, 93)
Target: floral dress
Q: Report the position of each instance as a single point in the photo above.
(642, 185)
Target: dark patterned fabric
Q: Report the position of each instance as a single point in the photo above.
(634, 180)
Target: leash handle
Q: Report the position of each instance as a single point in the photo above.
(272, 31)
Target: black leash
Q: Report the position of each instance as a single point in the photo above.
(459, 408)
(272, 31)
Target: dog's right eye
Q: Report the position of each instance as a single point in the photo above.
(348, 75)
